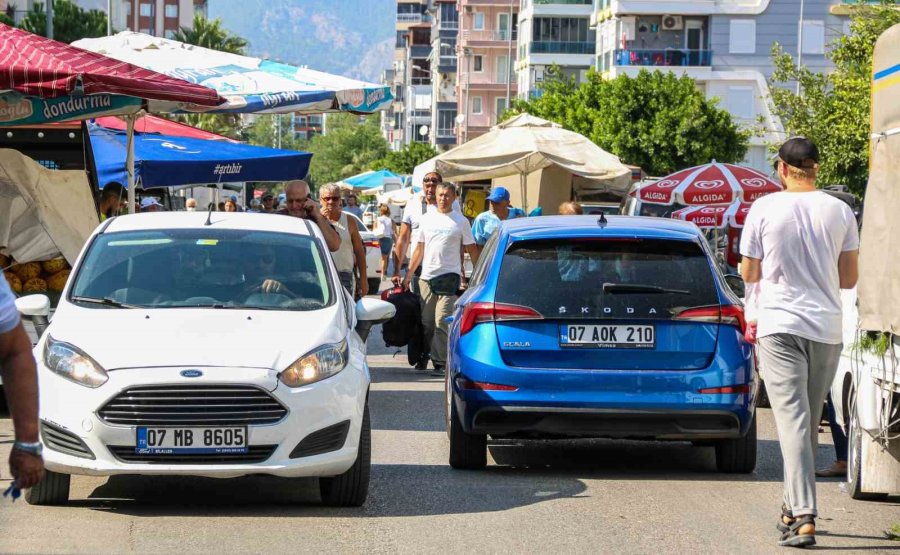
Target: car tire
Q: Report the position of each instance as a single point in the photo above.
(374, 285)
(854, 463)
(52, 490)
(737, 456)
(351, 488)
(467, 451)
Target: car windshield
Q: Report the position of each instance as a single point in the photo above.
(604, 278)
(190, 268)
(360, 226)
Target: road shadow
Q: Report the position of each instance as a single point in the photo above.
(884, 544)
(407, 410)
(395, 490)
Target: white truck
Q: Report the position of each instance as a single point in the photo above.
(866, 389)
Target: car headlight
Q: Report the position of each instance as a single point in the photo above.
(71, 363)
(324, 362)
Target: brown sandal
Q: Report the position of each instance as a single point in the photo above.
(793, 537)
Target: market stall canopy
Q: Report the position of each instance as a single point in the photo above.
(372, 179)
(43, 213)
(154, 124)
(168, 161)
(525, 144)
(713, 183)
(43, 81)
(879, 265)
(249, 84)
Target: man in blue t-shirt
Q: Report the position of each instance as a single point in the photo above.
(500, 210)
(17, 368)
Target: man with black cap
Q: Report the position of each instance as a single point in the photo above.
(799, 247)
(268, 203)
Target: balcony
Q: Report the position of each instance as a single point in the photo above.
(563, 2)
(413, 18)
(548, 47)
(469, 35)
(420, 51)
(667, 57)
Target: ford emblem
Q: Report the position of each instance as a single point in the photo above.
(191, 373)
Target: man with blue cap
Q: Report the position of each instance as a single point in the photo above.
(500, 210)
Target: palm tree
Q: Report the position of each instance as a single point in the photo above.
(210, 34)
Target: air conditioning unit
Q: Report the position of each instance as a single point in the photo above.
(672, 23)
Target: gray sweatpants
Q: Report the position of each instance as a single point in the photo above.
(797, 373)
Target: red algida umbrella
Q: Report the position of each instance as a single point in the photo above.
(45, 68)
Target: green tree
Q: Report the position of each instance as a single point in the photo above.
(264, 131)
(350, 145)
(210, 34)
(6, 20)
(832, 108)
(407, 158)
(658, 121)
(70, 22)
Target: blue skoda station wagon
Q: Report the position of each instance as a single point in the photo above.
(579, 326)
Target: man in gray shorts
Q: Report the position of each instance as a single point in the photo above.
(799, 248)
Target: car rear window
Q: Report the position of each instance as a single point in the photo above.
(602, 278)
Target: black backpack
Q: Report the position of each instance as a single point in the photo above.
(405, 328)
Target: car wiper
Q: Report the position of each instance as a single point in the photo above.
(105, 301)
(640, 288)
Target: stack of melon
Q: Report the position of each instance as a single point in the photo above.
(35, 277)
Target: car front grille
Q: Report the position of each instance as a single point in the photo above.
(63, 441)
(195, 405)
(254, 454)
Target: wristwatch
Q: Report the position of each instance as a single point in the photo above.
(32, 448)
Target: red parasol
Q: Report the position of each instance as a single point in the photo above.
(41, 67)
(154, 124)
(713, 183)
(705, 217)
(738, 215)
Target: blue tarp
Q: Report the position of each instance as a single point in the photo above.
(167, 161)
(371, 179)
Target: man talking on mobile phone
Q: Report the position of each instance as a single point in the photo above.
(299, 205)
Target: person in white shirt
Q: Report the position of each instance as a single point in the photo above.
(799, 248)
(442, 237)
(386, 232)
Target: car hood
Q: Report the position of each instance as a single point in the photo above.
(142, 338)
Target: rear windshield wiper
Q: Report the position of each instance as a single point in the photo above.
(105, 301)
(640, 288)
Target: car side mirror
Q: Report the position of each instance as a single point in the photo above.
(736, 283)
(37, 309)
(370, 312)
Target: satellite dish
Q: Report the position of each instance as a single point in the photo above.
(423, 130)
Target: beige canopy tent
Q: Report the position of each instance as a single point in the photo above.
(879, 265)
(43, 213)
(526, 144)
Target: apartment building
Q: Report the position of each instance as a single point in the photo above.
(410, 75)
(555, 32)
(307, 126)
(487, 54)
(161, 18)
(444, 36)
(725, 45)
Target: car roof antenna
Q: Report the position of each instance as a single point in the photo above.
(209, 215)
(602, 221)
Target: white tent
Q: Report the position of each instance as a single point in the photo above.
(525, 144)
(43, 213)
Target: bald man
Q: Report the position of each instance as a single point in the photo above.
(299, 205)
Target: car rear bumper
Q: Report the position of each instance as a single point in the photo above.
(609, 423)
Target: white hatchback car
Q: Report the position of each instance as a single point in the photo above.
(221, 347)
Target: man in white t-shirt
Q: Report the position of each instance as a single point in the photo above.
(800, 248)
(441, 238)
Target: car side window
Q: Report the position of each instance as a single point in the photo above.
(484, 260)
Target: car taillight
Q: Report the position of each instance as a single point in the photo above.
(476, 313)
(728, 389)
(373, 243)
(484, 386)
(728, 314)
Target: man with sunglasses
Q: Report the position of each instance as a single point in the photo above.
(352, 253)
(800, 247)
(299, 205)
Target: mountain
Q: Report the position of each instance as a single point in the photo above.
(354, 38)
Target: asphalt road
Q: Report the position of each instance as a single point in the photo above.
(570, 497)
